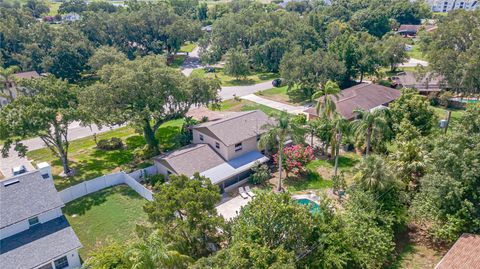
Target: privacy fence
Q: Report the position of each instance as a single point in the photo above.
(100, 183)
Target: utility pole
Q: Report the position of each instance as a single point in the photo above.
(449, 115)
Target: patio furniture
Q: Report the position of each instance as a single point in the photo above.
(249, 191)
(242, 193)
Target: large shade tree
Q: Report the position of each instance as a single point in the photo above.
(145, 93)
(47, 113)
(277, 135)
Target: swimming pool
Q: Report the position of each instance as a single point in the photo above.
(314, 207)
(466, 100)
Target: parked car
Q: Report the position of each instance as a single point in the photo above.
(19, 170)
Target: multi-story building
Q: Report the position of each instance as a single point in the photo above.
(448, 5)
(33, 231)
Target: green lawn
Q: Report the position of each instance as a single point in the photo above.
(280, 94)
(227, 80)
(415, 256)
(455, 117)
(104, 216)
(178, 61)
(90, 162)
(188, 47)
(319, 173)
(245, 105)
(416, 53)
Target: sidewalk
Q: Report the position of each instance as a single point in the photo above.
(274, 104)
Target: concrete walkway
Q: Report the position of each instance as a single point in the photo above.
(274, 104)
(413, 63)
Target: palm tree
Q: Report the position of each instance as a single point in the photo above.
(154, 253)
(326, 105)
(369, 122)
(341, 126)
(373, 174)
(6, 81)
(278, 133)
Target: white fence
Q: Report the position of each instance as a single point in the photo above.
(100, 183)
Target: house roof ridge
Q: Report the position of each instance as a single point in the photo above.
(235, 116)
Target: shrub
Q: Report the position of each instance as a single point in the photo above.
(110, 144)
(152, 180)
(260, 174)
(144, 153)
(295, 158)
(339, 182)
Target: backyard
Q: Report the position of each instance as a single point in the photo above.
(90, 162)
(226, 80)
(105, 216)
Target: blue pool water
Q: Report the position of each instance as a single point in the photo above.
(314, 208)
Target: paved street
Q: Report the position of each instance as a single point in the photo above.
(413, 63)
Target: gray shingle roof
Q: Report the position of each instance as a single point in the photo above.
(190, 159)
(28, 197)
(235, 128)
(362, 96)
(38, 245)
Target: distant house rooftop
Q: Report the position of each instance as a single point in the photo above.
(236, 128)
(464, 254)
(362, 96)
(27, 75)
(38, 245)
(411, 29)
(410, 80)
(26, 195)
(190, 159)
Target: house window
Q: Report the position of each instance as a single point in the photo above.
(46, 266)
(217, 145)
(61, 263)
(238, 147)
(33, 221)
(201, 137)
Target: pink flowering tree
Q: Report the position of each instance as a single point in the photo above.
(295, 158)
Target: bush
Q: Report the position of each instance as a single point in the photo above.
(295, 158)
(277, 82)
(110, 144)
(144, 153)
(260, 174)
(152, 180)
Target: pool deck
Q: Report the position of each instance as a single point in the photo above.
(230, 207)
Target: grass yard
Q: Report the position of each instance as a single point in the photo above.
(178, 61)
(90, 162)
(188, 47)
(104, 216)
(245, 105)
(281, 95)
(416, 53)
(442, 114)
(319, 173)
(227, 80)
(416, 256)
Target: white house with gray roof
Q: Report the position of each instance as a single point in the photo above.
(223, 150)
(33, 231)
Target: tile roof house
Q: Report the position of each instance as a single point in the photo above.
(33, 231)
(362, 96)
(464, 254)
(430, 83)
(11, 89)
(223, 150)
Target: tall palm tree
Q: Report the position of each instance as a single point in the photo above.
(341, 126)
(326, 105)
(278, 133)
(369, 122)
(6, 81)
(152, 252)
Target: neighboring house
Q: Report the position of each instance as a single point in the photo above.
(11, 88)
(207, 28)
(33, 231)
(410, 30)
(362, 96)
(464, 254)
(425, 85)
(71, 17)
(449, 5)
(224, 150)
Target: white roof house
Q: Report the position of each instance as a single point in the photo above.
(33, 231)
(223, 150)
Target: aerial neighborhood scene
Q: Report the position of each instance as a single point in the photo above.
(238, 134)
